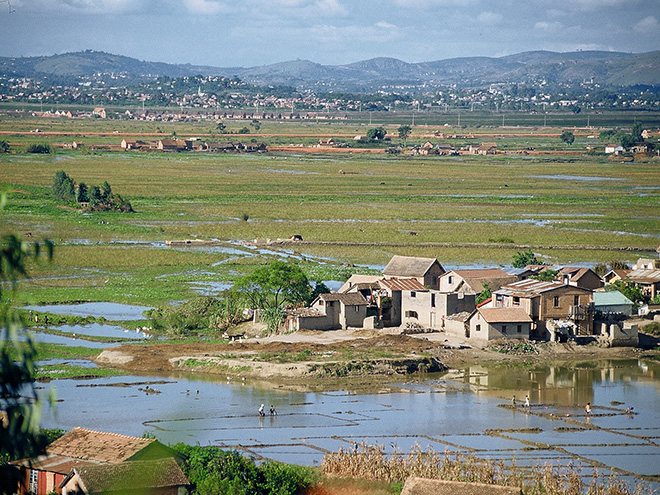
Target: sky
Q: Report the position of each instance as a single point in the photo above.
(248, 33)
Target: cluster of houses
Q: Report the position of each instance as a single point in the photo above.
(191, 144)
(419, 295)
(86, 462)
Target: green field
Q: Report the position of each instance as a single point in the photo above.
(466, 211)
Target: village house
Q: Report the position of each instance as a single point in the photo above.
(497, 323)
(611, 303)
(330, 312)
(647, 280)
(171, 145)
(473, 281)
(99, 112)
(389, 298)
(614, 149)
(555, 308)
(426, 271)
(79, 448)
(430, 308)
(483, 149)
(615, 275)
(579, 277)
(159, 476)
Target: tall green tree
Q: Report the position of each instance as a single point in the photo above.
(63, 187)
(274, 285)
(567, 137)
(636, 132)
(82, 196)
(523, 258)
(20, 408)
(376, 134)
(106, 190)
(404, 131)
(4, 146)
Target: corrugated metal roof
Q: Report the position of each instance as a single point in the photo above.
(610, 298)
(644, 275)
(402, 284)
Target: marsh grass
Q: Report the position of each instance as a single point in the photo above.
(465, 211)
(371, 462)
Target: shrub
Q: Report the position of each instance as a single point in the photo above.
(40, 148)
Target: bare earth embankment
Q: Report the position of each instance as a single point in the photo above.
(325, 359)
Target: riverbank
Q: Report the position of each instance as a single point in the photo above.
(318, 360)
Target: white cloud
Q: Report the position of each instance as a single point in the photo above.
(489, 18)
(207, 7)
(423, 4)
(647, 25)
(330, 7)
(548, 26)
(379, 32)
(80, 6)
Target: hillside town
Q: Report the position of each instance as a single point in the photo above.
(418, 295)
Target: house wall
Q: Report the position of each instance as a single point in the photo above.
(430, 308)
(455, 328)
(352, 316)
(566, 295)
(432, 276)
(624, 309)
(480, 329)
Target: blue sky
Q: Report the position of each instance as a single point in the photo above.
(249, 33)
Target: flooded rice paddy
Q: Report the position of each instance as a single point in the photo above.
(110, 311)
(466, 412)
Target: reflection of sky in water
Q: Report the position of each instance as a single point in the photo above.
(443, 414)
(98, 330)
(110, 311)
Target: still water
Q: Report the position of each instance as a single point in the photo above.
(467, 411)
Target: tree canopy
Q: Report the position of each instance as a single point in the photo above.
(567, 137)
(63, 187)
(274, 285)
(404, 131)
(377, 133)
(524, 258)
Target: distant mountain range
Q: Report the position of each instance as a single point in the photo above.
(609, 69)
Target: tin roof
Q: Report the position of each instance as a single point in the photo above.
(395, 284)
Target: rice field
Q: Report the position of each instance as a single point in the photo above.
(349, 209)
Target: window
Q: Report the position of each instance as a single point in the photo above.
(413, 293)
(450, 279)
(519, 328)
(556, 301)
(411, 314)
(34, 481)
(576, 300)
(516, 301)
(478, 328)
(433, 300)
(357, 309)
(503, 329)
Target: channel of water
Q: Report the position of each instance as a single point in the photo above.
(465, 412)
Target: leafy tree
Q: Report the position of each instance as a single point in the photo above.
(600, 269)
(244, 130)
(40, 148)
(618, 265)
(4, 146)
(319, 288)
(567, 137)
(256, 125)
(636, 132)
(274, 285)
(82, 197)
(524, 258)
(95, 195)
(546, 275)
(376, 134)
(221, 127)
(63, 188)
(630, 290)
(19, 404)
(607, 135)
(485, 294)
(404, 131)
(106, 191)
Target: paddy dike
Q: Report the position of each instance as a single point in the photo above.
(328, 357)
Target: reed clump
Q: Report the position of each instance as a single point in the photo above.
(371, 462)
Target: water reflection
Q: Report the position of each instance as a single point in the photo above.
(468, 412)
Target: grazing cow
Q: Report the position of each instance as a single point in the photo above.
(412, 232)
